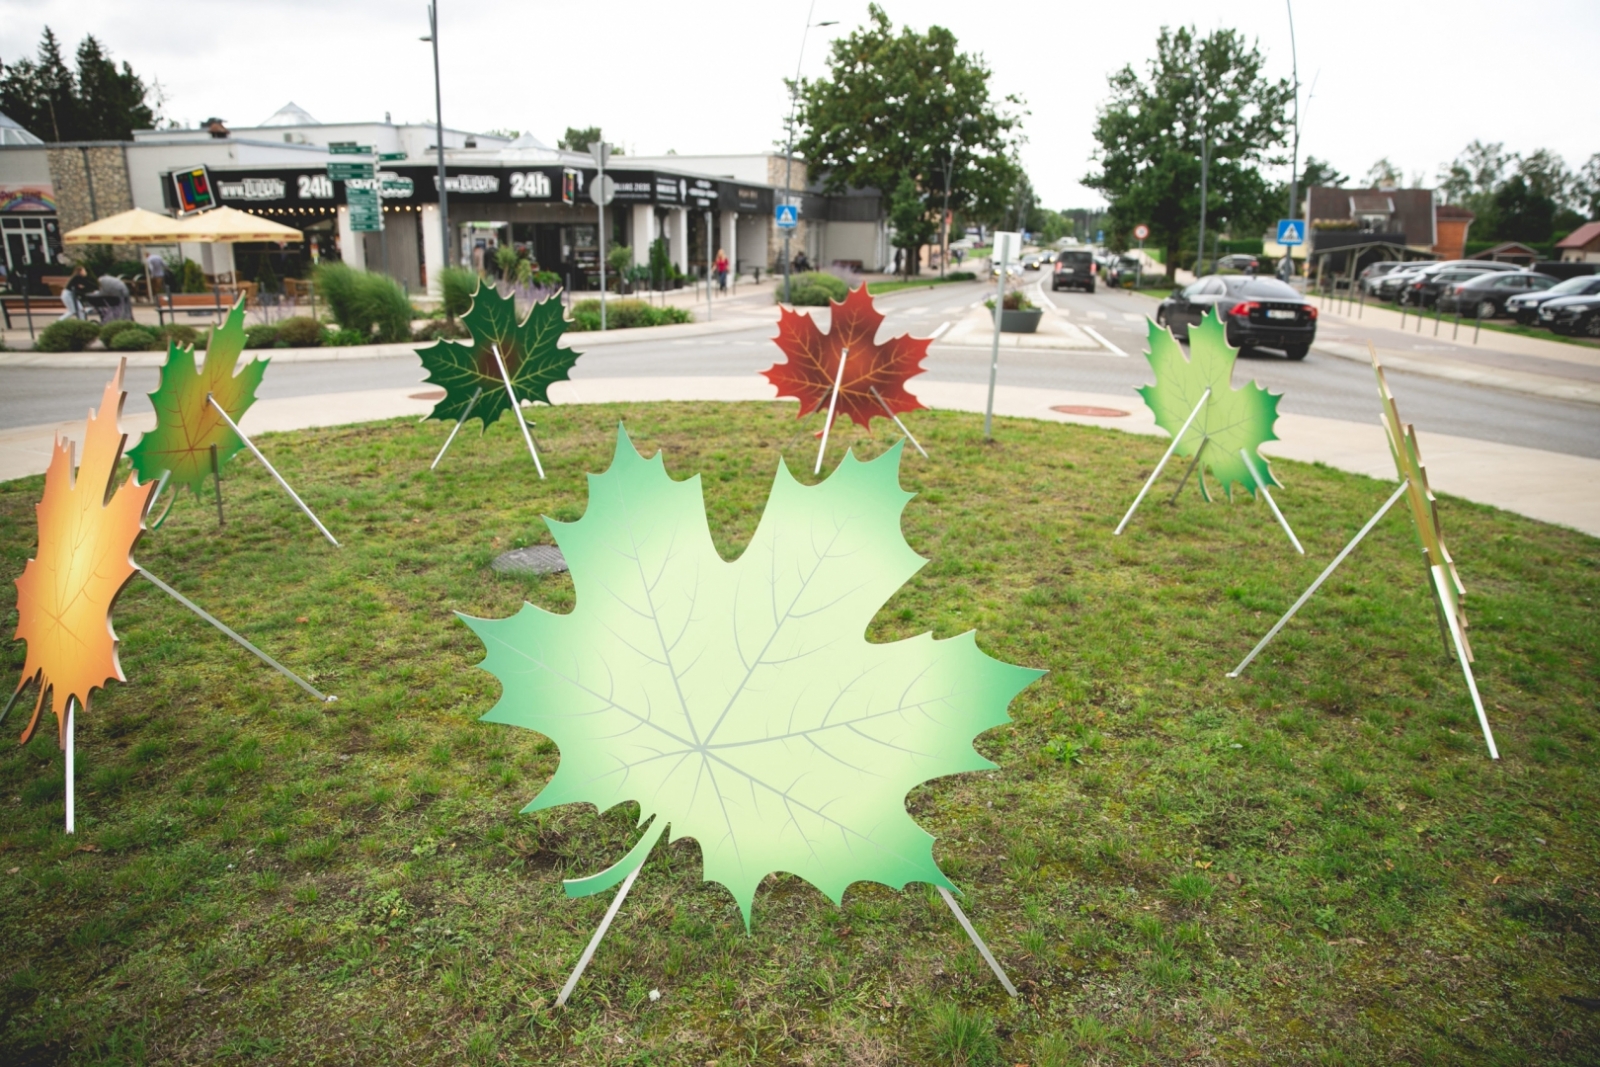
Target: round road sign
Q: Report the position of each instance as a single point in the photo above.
(1141, 231)
(603, 191)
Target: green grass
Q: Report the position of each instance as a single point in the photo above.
(1314, 865)
(921, 282)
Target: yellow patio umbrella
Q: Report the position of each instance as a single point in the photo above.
(225, 225)
(135, 227)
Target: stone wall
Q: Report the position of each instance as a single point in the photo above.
(91, 182)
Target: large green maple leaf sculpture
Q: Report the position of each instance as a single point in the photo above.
(187, 426)
(533, 359)
(1232, 419)
(740, 702)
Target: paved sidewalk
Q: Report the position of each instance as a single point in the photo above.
(1543, 485)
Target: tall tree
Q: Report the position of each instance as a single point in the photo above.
(579, 138)
(1197, 91)
(911, 221)
(1586, 189)
(1384, 172)
(112, 101)
(908, 103)
(98, 103)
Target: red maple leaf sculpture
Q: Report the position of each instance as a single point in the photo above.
(813, 361)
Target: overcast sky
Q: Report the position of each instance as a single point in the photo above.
(1414, 82)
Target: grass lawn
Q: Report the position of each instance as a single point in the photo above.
(1315, 865)
(921, 282)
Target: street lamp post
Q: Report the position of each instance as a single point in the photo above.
(1294, 161)
(438, 111)
(944, 219)
(788, 152)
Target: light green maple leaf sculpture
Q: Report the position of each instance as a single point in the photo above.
(1232, 419)
(740, 702)
(533, 359)
(186, 426)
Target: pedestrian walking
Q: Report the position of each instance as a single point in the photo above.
(78, 286)
(720, 268)
(157, 266)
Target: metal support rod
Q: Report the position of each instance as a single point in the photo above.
(994, 356)
(1193, 463)
(14, 695)
(599, 935)
(1327, 572)
(465, 412)
(214, 621)
(1273, 504)
(72, 722)
(1466, 670)
(271, 469)
(216, 482)
(983, 949)
(874, 390)
(1157, 472)
(833, 403)
(511, 395)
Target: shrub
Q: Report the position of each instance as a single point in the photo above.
(261, 336)
(373, 305)
(625, 315)
(301, 331)
(178, 333)
(962, 276)
(67, 335)
(456, 286)
(188, 277)
(547, 279)
(138, 339)
(441, 329)
(109, 331)
(345, 338)
(830, 287)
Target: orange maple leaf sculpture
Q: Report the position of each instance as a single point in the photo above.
(813, 361)
(86, 537)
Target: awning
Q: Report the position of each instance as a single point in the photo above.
(226, 224)
(135, 227)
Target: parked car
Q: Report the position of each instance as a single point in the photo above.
(1074, 269)
(1258, 312)
(1389, 285)
(1419, 286)
(1572, 315)
(1372, 273)
(1525, 309)
(1239, 261)
(1485, 296)
(1423, 292)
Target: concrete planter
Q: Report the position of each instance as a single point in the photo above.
(1020, 321)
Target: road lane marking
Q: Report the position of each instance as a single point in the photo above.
(1131, 317)
(1045, 300)
(1115, 351)
(1097, 314)
(943, 326)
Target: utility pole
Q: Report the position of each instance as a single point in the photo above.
(1294, 160)
(438, 111)
(788, 152)
(1205, 162)
(944, 218)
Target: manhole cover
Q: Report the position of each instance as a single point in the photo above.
(535, 559)
(1083, 409)
(431, 394)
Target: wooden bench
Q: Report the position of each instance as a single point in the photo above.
(30, 306)
(218, 302)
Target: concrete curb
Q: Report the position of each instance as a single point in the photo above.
(1570, 389)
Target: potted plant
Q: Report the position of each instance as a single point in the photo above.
(1017, 314)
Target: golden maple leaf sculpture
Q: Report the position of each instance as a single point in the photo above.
(86, 535)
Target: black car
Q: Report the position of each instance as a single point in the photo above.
(1258, 312)
(1239, 261)
(1075, 269)
(1423, 291)
(1405, 288)
(1525, 309)
(1572, 315)
(1373, 273)
(1485, 296)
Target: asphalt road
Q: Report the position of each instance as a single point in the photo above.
(1321, 385)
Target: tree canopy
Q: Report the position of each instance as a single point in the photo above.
(1530, 198)
(1196, 90)
(97, 102)
(908, 105)
(579, 138)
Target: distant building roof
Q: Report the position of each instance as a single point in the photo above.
(1367, 202)
(290, 114)
(12, 133)
(1509, 251)
(1452, 211)
(1412, 212)
(1583, 235)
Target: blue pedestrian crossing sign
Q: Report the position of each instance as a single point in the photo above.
(1291, 232)
(788, 215)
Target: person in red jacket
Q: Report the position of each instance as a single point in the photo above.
(720, 269)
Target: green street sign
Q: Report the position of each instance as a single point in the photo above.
(398, 186)
(343, 172)
(366, 213)
(390, 157)
(349, 148)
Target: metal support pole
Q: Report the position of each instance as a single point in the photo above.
(983, 949)
(833, 403)
(465, 412)
(72, 722)
(271, 469)
(438, 137)
(1193, 463)
(994, 357)
(874, 390)
(511, 396)
(1327, 572)
(599, 935)
(216, 481)
(252, 649)
(1261, 483)
(1466, 670)
(1157, 472)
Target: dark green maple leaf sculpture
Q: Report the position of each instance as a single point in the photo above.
(740, 702)
(533, 359)
(1231, 420)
